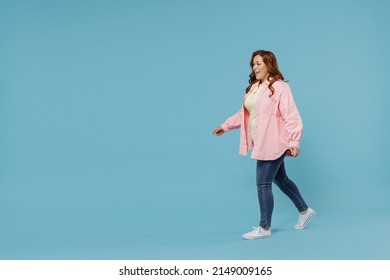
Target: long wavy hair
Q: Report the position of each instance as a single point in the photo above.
(271, 63)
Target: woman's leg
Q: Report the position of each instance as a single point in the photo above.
(289, 188)
(266, 171)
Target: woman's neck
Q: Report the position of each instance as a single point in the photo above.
(261, 81)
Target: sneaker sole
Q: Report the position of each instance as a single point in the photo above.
(257, 237)
(306, 222)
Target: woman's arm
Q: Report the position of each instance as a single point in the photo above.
(291, 116)
(233, 122)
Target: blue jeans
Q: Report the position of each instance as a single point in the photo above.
(268, 171)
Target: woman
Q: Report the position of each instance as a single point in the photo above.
(272, 127)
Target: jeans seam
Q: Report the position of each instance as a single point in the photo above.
(296, 197)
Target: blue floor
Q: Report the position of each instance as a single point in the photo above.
(180, 232)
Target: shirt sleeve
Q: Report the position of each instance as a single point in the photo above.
(233, 122)
(291, 116)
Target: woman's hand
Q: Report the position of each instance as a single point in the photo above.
(218, 131)
(294, 151)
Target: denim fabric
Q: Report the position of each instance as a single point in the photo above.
(268, 171)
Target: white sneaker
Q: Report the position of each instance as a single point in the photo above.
(304, 219)
(257, 232)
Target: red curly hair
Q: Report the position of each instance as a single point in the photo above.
(271, 63)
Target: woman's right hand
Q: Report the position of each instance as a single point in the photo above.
(218, 131)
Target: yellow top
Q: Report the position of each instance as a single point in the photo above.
(250, 105)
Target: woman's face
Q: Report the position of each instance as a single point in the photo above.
(259, 68)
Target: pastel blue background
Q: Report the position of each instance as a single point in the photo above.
(106, 114)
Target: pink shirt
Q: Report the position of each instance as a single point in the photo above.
(278, 124)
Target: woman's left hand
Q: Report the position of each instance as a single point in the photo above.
(294, 151)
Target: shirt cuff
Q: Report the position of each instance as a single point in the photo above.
(225, 127)
(294, 143)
